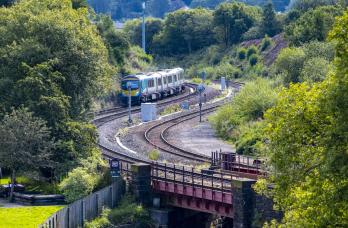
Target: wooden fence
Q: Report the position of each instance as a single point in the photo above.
(86, 209)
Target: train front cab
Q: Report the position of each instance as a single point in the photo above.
(135, 90)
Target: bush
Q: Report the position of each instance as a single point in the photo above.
(154, 155)
(289, 63)
(251, 51)
(242, 53)
(128, 212)
(253, 60)
(266, 42)
(78, 184)
(314, 70)
(248, 105)
(101, 222)
(249, 138)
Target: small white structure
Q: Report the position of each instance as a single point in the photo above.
(148, 112)
(223, 83)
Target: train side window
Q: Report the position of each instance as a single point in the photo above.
(170, 79)
(159, 81)
(151, 83)
(165, 80)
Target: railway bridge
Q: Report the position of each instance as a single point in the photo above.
(229, 195)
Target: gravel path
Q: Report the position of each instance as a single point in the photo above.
(198, 137)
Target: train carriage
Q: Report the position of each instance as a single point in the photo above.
(152, 86)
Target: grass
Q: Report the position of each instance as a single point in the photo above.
(4, 181)
(171, 109)
(25, 216)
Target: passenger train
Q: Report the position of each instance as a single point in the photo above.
(152, 86)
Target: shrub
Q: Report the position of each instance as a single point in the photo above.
(289, 63)
(253, 60)
(242, 53)
(266, 42)
(249, 138)
(101, 222)
(154, 155)
(248, 105)
(251, 51)
(128, 212)
(314, 70)
(78, 184)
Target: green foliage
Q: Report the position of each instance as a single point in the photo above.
(270, 25)
(185, 31)
(307, 5)
(116, 41)
(253, 60)
(312, 25)
(55, 64)
(266, 43)
(249, 138)
(290, 63)
(251, 51)
(242, 53)
(309, 63)
(25, 143)
(248, 105)
(153, 27)
(314, 70)
(128, 212)
(231, 20)
(26, 217)
(78, 184)
(307, 146)
(171, 109)
(154, 155)
(101, 222)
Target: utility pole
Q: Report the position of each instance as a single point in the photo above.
(129, 86)
(143, 27)
(200, 90)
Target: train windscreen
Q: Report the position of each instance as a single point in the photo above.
(134, 84)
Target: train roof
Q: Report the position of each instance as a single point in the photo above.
(157, 74)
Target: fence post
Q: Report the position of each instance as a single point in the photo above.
(68, 217)
(111, 198)
(97, 203)
(82, 213)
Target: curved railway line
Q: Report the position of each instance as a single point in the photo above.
(159, 130)
(107, 115)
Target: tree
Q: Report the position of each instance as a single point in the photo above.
(312, 25)
(185, 31)
(232, 20)
(133, 29)
(307, 146)
(314, 70)
(55, 64)
(25, 143)
(270, 24)
(290, 63)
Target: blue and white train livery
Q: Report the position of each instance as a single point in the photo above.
(152, 86)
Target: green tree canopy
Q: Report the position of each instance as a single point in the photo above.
(53, 62)
(231, 20)
(185, 31)
(153, 27)
(313, 25)
(25, 143)
(270, 24)
(308, 144)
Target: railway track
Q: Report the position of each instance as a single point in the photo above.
(117, 112)
(155, 136)
(108, 115)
